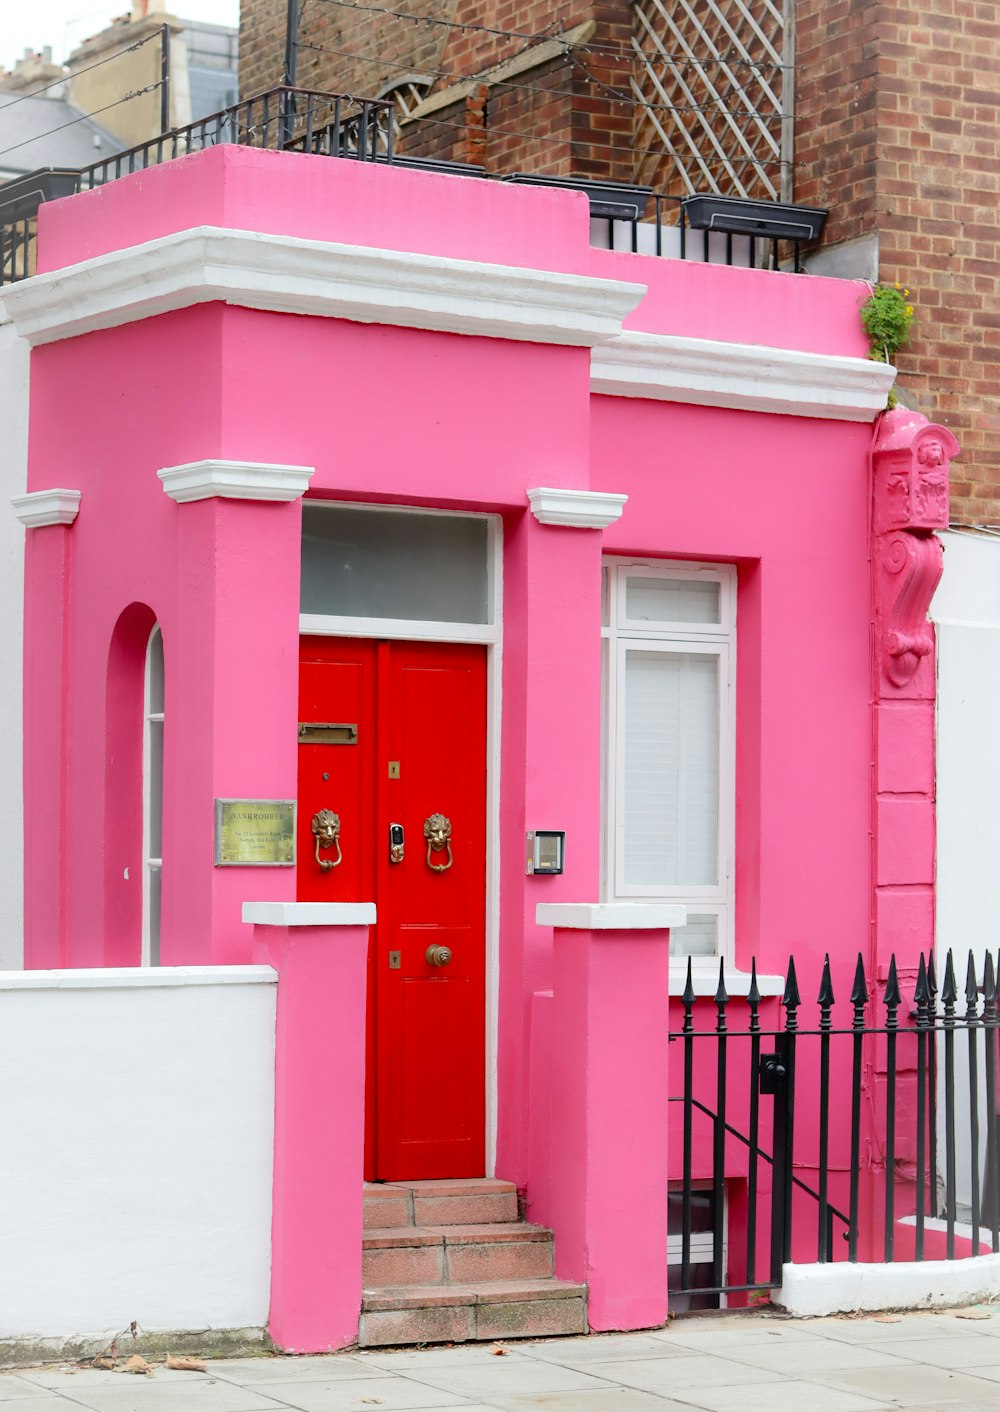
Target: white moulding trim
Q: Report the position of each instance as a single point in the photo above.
(310, 914)
(751, 377)
(583, 509)
(610, 916)
(295, 276)
(137, 977)
(235, 480)
(842, 1288)
(47, 507)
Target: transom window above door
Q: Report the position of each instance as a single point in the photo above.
(374, 570)
(669, 742)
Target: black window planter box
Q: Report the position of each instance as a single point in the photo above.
(21, 198)
(770, 220)
(610, 200)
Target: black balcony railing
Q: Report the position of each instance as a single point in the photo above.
(630, 218)
(283, 119)
(874, 1138)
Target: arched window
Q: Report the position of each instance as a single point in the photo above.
(152, 799)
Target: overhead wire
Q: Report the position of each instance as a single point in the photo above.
(623, 99)
(621, 50)
(129, 49)
(125, 98)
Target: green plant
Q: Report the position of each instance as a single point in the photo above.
(886, 316)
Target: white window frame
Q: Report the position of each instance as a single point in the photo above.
(150, 864)
(623, 635)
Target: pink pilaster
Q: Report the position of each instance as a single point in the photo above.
(608, 1162)
(46, 817)
(552, 773)
(232, 689)
(320, 951)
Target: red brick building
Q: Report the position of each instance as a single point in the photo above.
(882, 111)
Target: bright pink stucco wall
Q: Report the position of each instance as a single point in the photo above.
(387, 414)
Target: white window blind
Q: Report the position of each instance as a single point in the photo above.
(670, 795)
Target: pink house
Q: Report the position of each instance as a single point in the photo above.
(476, 625)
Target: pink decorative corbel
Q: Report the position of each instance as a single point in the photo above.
(911, 461)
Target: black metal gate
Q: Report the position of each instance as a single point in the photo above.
(824, 1137)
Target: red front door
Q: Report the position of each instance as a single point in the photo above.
(395, 733)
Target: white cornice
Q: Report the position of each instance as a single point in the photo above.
(46, 507)
(711, 373)
(234, 480)
(294, 276)
(583, 509)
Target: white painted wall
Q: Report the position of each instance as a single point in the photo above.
(136, 1150)
(966, 612)
(13, 481)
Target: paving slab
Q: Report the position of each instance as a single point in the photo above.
(508, 1378)
(781, 1397)
(913, 1386)
(609, 1400)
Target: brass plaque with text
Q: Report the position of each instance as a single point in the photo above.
(255, 833)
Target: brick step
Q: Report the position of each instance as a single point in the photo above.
(456, 1255)
(472, 1312)
(469, 1201)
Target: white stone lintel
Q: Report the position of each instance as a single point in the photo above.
(235, 480)
(310, 914)
(581, 509)
(47, 507)
(610, 916)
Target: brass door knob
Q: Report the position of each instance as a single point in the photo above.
(438, 955)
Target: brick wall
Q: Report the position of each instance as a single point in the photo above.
(896, 122)
(568, 114)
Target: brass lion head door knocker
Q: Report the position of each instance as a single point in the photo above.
(326, 831)
(437, 831)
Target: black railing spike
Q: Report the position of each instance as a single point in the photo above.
(688, 997)
(791, 998)
(921, 993)
(971, 989)
(859, 992)
(949, 991)
(989, 987)
(932, 977)
(892, 996)
(825, 997)
(722, 994)
(753, 994)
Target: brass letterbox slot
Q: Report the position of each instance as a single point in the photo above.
(327, 733)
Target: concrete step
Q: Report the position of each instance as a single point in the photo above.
(473, 1312)
(455, 1255)
(468, 1201)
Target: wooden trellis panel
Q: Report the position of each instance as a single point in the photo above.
(713, 83)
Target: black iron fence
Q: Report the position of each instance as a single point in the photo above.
(282, 119)
(826, 1132)
(632, 218)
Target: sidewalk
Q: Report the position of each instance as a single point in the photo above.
(727, 1364)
